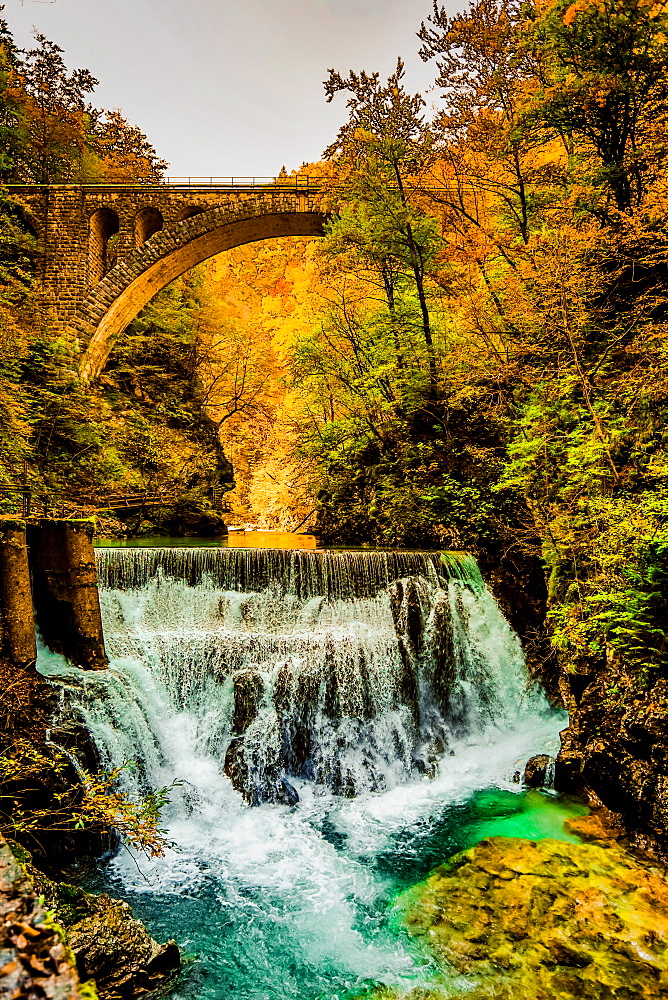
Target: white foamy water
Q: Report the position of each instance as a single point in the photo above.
(410, 696)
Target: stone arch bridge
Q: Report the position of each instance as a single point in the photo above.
(108, 249)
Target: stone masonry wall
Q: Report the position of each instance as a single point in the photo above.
(197, 224)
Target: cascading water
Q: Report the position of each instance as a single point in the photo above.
(361, 696)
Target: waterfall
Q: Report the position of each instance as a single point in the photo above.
(351, 670)
(385, 690)
(300, 573)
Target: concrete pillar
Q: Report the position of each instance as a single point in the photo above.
(17, 626)
(18, 676)
(64, 588)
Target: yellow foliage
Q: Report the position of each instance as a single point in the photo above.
(257, 302)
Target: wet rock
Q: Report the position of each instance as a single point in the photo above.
(257, 756)
(598, 825)
(248, 695)
(284, 690)
(444, 655)
(616, 747)
(241, 774)
(287, 794)
(248, 690)
(547, 920)
(296, 701)
(537, 771)
(110, 945)
(413, 613)
(427, 760)
(257, 775)
(569, 765)
(118, 952)
(407, 687)
(342, 782)
(35, 960)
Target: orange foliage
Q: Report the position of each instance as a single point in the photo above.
(258, 300)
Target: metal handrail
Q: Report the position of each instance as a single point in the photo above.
(228, 183)
(299, 180)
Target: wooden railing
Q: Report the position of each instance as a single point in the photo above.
(19, 490)
(30, 501)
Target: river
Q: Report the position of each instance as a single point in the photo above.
(388, 693)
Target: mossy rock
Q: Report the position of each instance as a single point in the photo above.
(110, 945)
(545, 920)
(35, 958)
(70, 902)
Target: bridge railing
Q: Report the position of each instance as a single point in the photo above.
(299, 183)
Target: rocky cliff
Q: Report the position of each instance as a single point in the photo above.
(35, 959)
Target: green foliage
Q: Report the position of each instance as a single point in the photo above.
(381, 148)
(141, 427)
(18, 308)
(602, 69)
(38, 796)
(532, 416)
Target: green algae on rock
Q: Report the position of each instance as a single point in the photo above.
(35, 960)
(546, 920)
(109, 944)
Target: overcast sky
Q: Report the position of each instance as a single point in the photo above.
(229, 87)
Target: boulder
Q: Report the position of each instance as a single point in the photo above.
(116, 950)
(287, 794)
(109, 944)
(546, 920)
(258, 784)
(539, 771)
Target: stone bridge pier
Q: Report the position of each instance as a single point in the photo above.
(108, 249)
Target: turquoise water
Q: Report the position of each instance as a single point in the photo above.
(278, 901)
(303, 910)
(492, 812)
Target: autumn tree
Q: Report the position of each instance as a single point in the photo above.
(379, 149)
(10, 132)
(52, 113)
(125, 154)
(51, 132)
(551, 151)
(485, 154)
(601, 85)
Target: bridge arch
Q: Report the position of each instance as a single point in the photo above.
(188, 211)
(118, 297)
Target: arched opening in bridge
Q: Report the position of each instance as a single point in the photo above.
(102, 229)
(228, 326)
(148, 221)
(189, 212)
(173, 252)
(147, 270)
